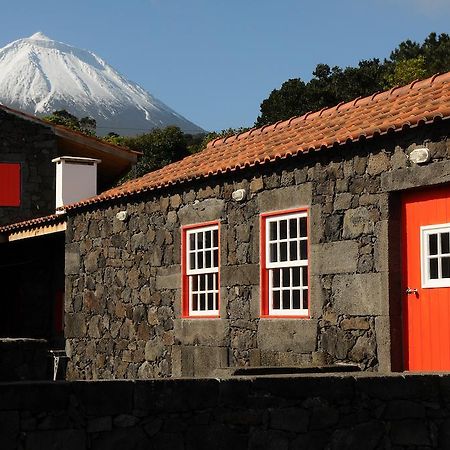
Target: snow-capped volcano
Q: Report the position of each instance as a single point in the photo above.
(39, 75)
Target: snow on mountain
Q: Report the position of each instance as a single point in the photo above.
(39, 75)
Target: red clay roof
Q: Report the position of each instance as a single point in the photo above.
(419, 102)
(29, 224)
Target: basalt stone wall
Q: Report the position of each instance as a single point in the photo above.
(33, 146)
(123, 279)
(332, 413)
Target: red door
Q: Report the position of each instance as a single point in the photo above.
(426, 279)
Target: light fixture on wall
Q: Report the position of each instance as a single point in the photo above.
(238, 195)
(122, 216)
(420, 155)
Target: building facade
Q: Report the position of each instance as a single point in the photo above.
(285, 246)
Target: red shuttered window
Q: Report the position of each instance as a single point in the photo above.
(9, 184)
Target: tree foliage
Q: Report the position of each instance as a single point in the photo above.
(85, 125)
(331, 85)
(160, 147)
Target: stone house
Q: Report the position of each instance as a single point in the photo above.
(316, 241)
(31, 234)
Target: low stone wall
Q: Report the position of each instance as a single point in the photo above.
(311, 412)
(23, 359)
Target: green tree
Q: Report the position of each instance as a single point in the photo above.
(329, 86)
(85, 125)
(160, 147)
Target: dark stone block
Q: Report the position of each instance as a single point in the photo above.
(9, 430)
(367, 435)
(268, 440)
(120, 439)
(56, 440)
(104, 398)
(289, 419)
(404, 409)
(410, 432)
(215, 436)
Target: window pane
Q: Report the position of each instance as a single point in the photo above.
(445, 248)
(216, 258)
(283, 229)
(202, 302)
(432, 239)
(192, 241)
(303, 227)
(210, 280)
(202, 282)
(208, 259)
(192, 261)
(286, 277)
(296, 276)
(434, 268)
(296, 299)
(216, 302)
(200, 239)
(304, 276)
(286, 299)
(276, 277)
(216, 238)
(445, 267)
(273, 253)
(207, 239)
(194, 283)
(211, 302)
(200, 260)
(272, 231)
(293, 228)
(304, 249)
(283, 251)
(194, 302)
(293, 250)
(276, 300)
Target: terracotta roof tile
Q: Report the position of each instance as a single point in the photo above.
(28, 224)
(406, 106)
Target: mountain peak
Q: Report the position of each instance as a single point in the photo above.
(39, 36)
(39, 75)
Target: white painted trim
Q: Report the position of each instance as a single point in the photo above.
(425, 231)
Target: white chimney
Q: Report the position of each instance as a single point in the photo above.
(76, 179)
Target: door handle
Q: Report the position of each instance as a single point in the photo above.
(409, 291)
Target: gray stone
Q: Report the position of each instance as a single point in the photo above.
(334, 257)
(286, 335)
(364, 349)
(210, 332)
(285, 198)
(72, 259)
(208, 359)
(336, 343)
(359, 294)
(355, 323)
(357, 222)
(240, 275)
(415, 176)
(203, 211)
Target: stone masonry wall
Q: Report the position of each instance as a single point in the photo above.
(123, 279)
(33, 146)
(324, 412)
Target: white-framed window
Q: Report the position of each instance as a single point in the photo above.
(285, 268)
(201, 277)
(435, 255)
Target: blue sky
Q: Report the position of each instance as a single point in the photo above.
(214, 61)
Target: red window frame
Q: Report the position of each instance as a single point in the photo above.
(10, 184)
(185, 294)
(264, 277)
